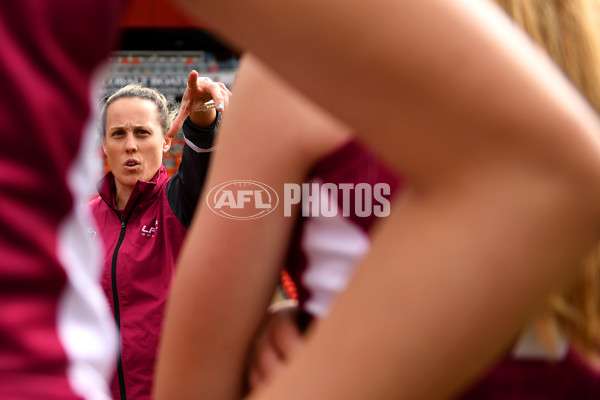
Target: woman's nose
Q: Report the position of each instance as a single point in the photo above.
(130, 144)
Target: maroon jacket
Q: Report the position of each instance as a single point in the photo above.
(141, 244)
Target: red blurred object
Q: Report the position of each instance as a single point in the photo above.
(289, 288)
(156, 14)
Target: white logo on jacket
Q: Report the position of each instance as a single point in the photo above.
(150, 231)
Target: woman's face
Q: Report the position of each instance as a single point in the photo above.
(134, 143)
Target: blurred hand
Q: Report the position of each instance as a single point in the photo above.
(200, 90)
(277, 342)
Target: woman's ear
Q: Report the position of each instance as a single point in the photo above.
(104, 145)
(166, 144)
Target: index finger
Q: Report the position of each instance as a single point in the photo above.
(192, 84)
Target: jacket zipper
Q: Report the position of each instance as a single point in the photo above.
(117, 311)
(120, 372)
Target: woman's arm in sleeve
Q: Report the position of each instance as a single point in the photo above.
(184, 188)
(200, 125)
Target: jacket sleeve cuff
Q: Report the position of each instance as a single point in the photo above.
(200, 139)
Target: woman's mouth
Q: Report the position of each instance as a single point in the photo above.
(131, 164)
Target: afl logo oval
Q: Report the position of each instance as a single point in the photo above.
(242, 199)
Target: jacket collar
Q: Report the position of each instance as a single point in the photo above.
(142, 195)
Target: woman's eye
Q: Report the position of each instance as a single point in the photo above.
(117, 133)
